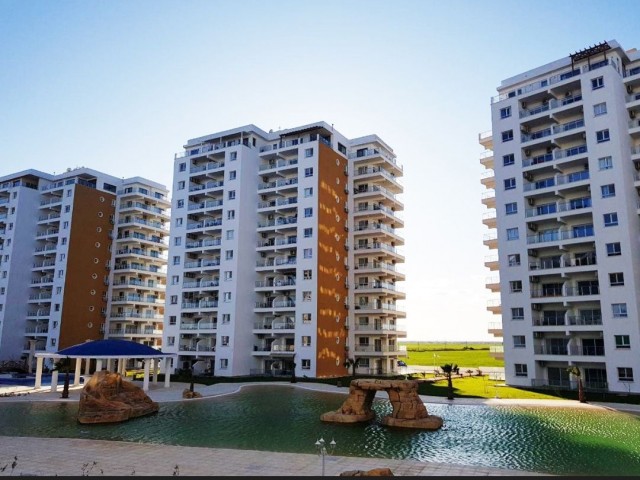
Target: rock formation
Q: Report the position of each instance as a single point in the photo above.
(108, 398)
(375, 472)
(408, 409)
(187, 393)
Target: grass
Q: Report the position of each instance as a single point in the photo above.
(463, 354)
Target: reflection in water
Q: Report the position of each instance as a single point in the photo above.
(287, 419)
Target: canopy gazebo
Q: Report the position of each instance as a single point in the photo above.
(107, 351)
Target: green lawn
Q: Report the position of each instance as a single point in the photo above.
(463, 354)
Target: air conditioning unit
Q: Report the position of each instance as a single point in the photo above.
(532, 226)
(527, 152)
(568, 93)
(263, 254)
(292, 252)
(632, 114)
(531, 201)
(270, 216)
(527, 175)
(629, 89)
(524, 129)
(584, 136)
(549, 149)
(534, 279)
(524, 104)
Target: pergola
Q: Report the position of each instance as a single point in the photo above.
(105, 352)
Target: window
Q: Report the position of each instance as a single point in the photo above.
(176, 260)
(53, 342)
(613, 249)
(60, 273)
(228, 275)
(608, 190)
(232, 195)
(225, 341)
(512, 233)
(175, 279)
(67, 208)
(517, 313)
(307, 274)
(515, 286)
(600, 109)
(228, 255)
(509, 183)
(308, 212)
(183, 167)
(505, 112)
(306, 296)
(69, 193)
(597, 83)
(616, 279)
(306, 341)
(507, 135)
(610, 219)
(622, 341)
(625, 374)
(514, 259)
(308, 152)
(65, 225)
(602, 135)
(308, 232)
(520, 369)
(519, 341)
(174, 299)
(308, 172)
(226, 296)
(178, 222)
(172, 320)
(306, 318)
(181, 185)
(233, 156)
(177, 241)
(605, 163)
(619, 310)
(308, 192)
(509, 159)
(224, 363)
(230, 234)
(180, 204)
(226, 318)
(171, 341)
(64, 241)
(232, 175)
(308, 253)
(231, 214)
(306, 364)
(511, 208)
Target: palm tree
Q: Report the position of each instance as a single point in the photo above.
(449, 369)
(575, 371)
(353, 363)
(64, 365)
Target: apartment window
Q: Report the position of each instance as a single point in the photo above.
(308, 232)
(308, 172)
(505, 112)
(520, 369)
(64, 241)
(228, 255)
(228, 275)
(180, 204)
(512, 233)
(306, 296)
(608, 190)
(172, 320)
(183, 167)
(308, 212)
(613, 249)
(231, 215)
(515, 286)
(65, 225)
(619, 310)
(177, 241)
(226, 318)
(610, 219)
(306, 341)
(616, 279)
(509, 183)
(308, 152)
(67, 208)
(226, 296)
(229, 234)
(231, 195)
(622, 341)
(53, 342)
(509, 159)
(308, 192)
(233, 156)
(306, 318)
(232, 175)
(178, 222)
(507, 135)
(56, 307)
(60, 273)
(225, 341)
(181, 185)
(307, 274)
(176, 260)
(511, 208)
(58, 290)
(174, 299)
(600, 109)
(224, 363)
(625, 374)
(306, 364)
(175, 279)
(597, 83)
(602, 135)
(519, 341)
(517, 313)
(308, 253)
(514, 259)
(605, 163)
(62, 257)
(69, 193)
(171, 341)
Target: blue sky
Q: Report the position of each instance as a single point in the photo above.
(120, 86)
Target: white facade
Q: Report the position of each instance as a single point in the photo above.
(562, 204)
(259, 278)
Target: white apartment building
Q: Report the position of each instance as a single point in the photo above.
(83, 257)
(284, 254)
(563, 209)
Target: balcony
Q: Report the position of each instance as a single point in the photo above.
(491, 262)
(494, 306)
(495, 329)
(555, 235)
(489, 219)
(275, 263)
(488, 199)
(491, 240)
(486, 139)
(488, 179)
(493, 284)
(497, 352)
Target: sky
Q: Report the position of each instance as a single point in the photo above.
(120, 86)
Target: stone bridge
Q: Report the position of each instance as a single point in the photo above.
(408, 409)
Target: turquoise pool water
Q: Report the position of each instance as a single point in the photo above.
(559, 441)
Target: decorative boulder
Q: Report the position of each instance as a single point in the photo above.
(186, 393)
(375, 472)
(108, 398)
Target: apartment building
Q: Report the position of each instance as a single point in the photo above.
(83, 257)
(563, 205)
(284, 254)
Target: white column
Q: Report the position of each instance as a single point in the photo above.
(39, 362)
(87, 367)
(98, 364)
(166, 373)
(110, 364)
(145, 383)
(156, 362)
(32, 353)
(78, 371)
(54, 381)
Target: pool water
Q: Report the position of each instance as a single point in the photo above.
(560, 441)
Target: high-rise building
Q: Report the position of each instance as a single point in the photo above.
(563, 187)
(284, 254)
(83, 257)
